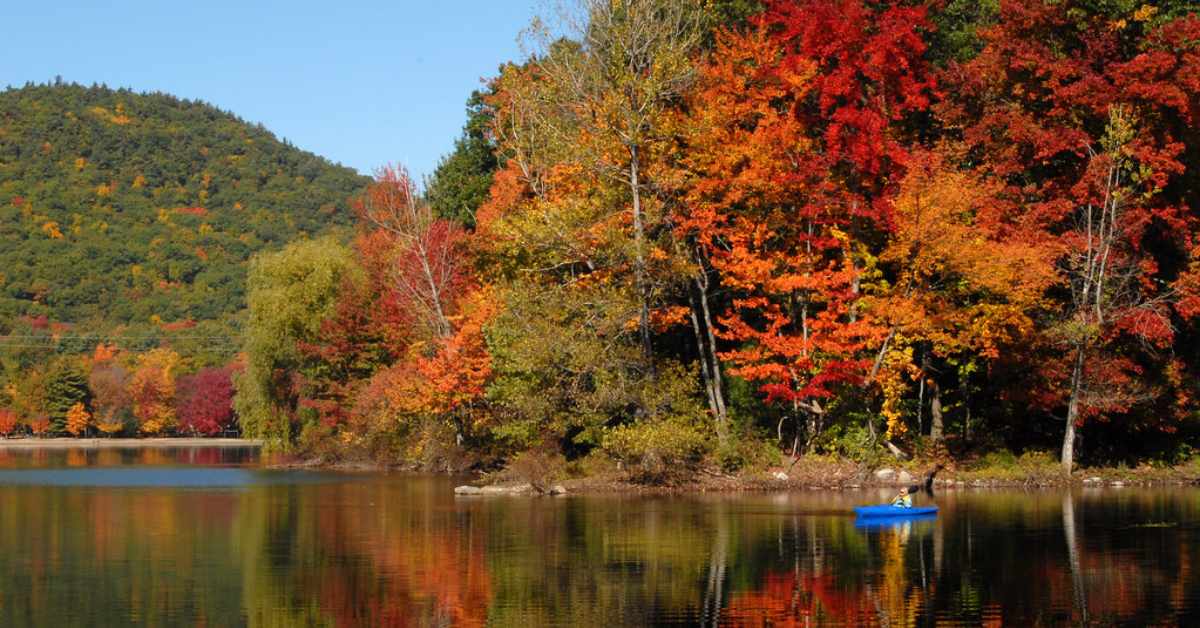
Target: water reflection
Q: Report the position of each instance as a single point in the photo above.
(378, 550)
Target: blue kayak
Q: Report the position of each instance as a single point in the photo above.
(888, 510)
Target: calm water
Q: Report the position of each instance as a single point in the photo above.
(206, 538)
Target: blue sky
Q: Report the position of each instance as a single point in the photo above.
(361, 83)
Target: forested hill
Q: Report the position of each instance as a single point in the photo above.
(118, 207)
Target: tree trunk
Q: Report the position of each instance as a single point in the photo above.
(815, 425)
(718, 380)
(710, 375)
(921, 393)
(639, 236)
(936, 426)
(1068, 444)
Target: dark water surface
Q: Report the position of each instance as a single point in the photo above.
(208, 538)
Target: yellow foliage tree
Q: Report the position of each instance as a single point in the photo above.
(967, 286)
(78, 420)
(152, 389)
(50, 228)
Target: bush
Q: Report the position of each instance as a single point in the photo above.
(538, 468)
(746, 452)
(1031, 467)
(656, 452)
(851, 441)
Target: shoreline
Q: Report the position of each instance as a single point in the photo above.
(811, 475)
(608, 486)
(127, 443)
(820, 473)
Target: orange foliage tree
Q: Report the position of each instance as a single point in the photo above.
(8, 422)
(759, 211)
(965, 286)
(78, 420)
(152, 389)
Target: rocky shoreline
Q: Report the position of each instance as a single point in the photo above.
(838, 478)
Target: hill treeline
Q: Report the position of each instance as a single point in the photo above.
(126, 221)
(119, 207)
(700, 231)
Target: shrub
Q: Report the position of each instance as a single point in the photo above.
(746, 452)
(109, 428)
(656, 452)
(539, 468)
(851, 441)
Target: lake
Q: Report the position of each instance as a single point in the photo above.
(206, 537)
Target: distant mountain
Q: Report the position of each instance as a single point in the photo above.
(127, 209)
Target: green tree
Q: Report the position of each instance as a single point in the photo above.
(459, 185)
(66, 385)
(291, 293)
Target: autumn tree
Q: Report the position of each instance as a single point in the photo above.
(152, 390)
(205, 401)
(1033, 109)
(8, 422)
(426, 265)
(793, 136)
(965, 288)
(78, 420)
(111, 401)
(607, 92)
(1104, 268)
(291, 293)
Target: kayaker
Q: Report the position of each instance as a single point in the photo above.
(903, 500)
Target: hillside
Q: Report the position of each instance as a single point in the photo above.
(120, 208)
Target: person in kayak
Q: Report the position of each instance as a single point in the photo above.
(903, 500)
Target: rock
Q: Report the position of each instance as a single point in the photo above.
(885, 474)
(904, 478)
(780, 475)
(467, 490)
(1117, 484)
(1095, 479)
(512, 489)
(558, 489)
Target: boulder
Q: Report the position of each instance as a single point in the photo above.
(904, 478)
(780, 475)
(885, 475)
(467, 490)
(511, 489)
(558, 489)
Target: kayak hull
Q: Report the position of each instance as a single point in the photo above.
(893, 512)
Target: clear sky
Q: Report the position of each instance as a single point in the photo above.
(361, 83)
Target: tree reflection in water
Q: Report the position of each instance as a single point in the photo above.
(392, 551)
